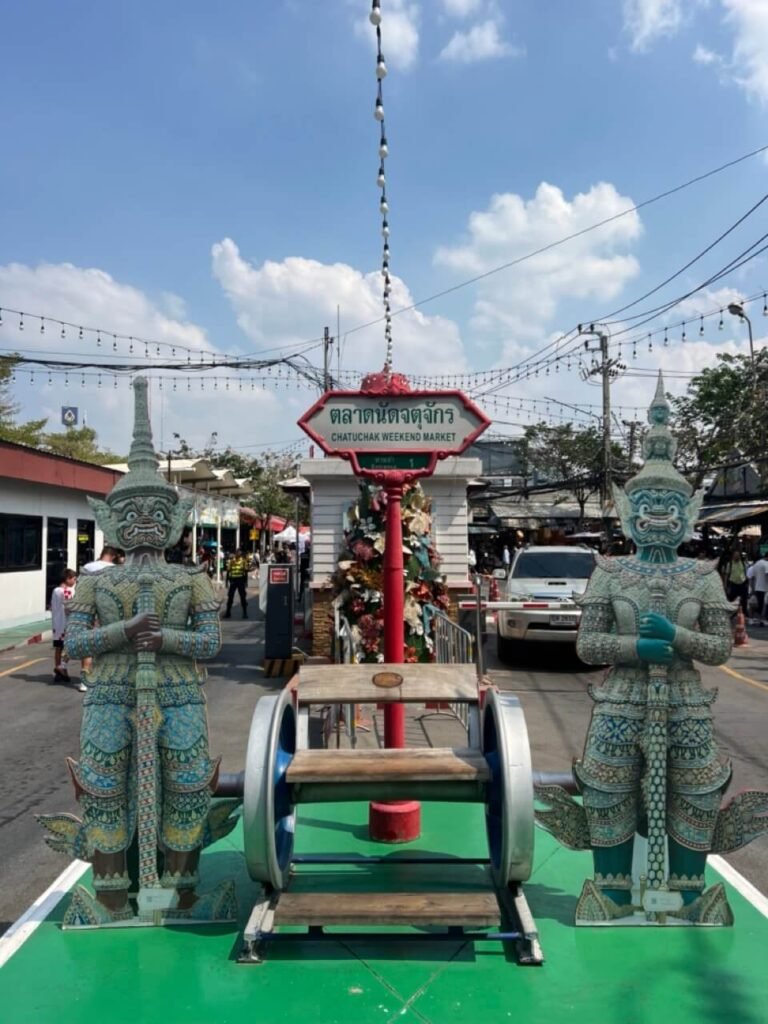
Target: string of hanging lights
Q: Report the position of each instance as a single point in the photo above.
(381, 181)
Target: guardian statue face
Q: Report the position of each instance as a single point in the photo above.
(143, 521)
(658, 518)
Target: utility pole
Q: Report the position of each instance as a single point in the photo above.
(606, 368)
(327, 342)
(632, 426)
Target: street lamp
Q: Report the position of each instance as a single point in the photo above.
(736, 309)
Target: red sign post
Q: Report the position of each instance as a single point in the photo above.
(393, 435)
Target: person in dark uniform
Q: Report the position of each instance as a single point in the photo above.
(237, 578)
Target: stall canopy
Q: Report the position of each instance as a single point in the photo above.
(732, 513)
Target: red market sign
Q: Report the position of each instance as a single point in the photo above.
(404, 432)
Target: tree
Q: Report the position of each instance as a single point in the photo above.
(28, 433)
(77, 443)
(723, 409)
(573, 458)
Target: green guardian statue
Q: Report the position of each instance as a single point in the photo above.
(145, 778)
(651, 767)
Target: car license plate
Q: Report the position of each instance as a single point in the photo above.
(563, 620)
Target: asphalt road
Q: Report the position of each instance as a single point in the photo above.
(39, 725)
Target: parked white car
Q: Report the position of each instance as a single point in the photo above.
(541, 587)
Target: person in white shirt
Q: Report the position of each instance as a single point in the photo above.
(506, 559)
(109, 556)
(59, 597)
(759, 576)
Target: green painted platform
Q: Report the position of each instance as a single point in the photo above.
(603, 976)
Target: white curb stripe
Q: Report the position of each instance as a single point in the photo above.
(740, 883)
(34, 916)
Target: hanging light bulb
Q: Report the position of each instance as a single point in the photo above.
(383, 148)
(375, 16)
(701, 327)
(385, 229)
(650, 343)
(21, 321)
(114, 383)
(720, 325)
(378, 111)
(381, 67)
(63, 333)
(682, 337)
(98, 340)
(42, 325)
(384, 206)
(82, 381)
(114, 344)
(31, 376)
(98, 381)
(765, 305)
(381, 181)
(50, 379)
(130, 345)
(80, 334)
(66, 380)
(160, 384)
(666, 337)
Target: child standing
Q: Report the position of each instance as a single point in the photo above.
(60, 595)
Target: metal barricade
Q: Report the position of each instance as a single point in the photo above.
(346, 652)
(453, 646)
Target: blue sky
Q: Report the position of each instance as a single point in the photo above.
(206, 177)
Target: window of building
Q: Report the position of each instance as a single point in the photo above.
(57, 555)
(21, 543)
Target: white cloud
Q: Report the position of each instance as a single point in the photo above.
(648, 20)
(701, 55)
(292, 300)
(523, 299)
(93, 298)
(481, 42)
(399, 31)
(749, 63)
(461, 8)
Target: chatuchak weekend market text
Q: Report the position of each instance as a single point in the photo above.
(387, 437)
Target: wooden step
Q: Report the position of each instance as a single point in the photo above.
(353, 684)
(422, 764)
(470, 909)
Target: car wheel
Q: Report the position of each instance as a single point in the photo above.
(505, 648)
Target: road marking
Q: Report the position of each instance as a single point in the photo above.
(744, 679)
(34, 916)
(26, 664)
(742, 885)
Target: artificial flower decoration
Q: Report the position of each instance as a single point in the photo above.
(358, 580)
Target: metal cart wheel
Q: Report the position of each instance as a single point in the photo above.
(509, 795)
(268, 815)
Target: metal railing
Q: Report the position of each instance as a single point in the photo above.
(346, 652)
(453, 646)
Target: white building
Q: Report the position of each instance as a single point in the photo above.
(333, 489)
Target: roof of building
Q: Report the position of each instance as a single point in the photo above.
(21, 462)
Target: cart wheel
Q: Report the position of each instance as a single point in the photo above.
(268, 814)
(509, 802)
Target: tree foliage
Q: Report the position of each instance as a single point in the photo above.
(73, 442)
(723, 409)
(568, 456)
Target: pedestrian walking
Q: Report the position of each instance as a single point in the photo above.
(734, 573)
(59, 598)
(759, 576)
(237, 579)
(506, 558)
